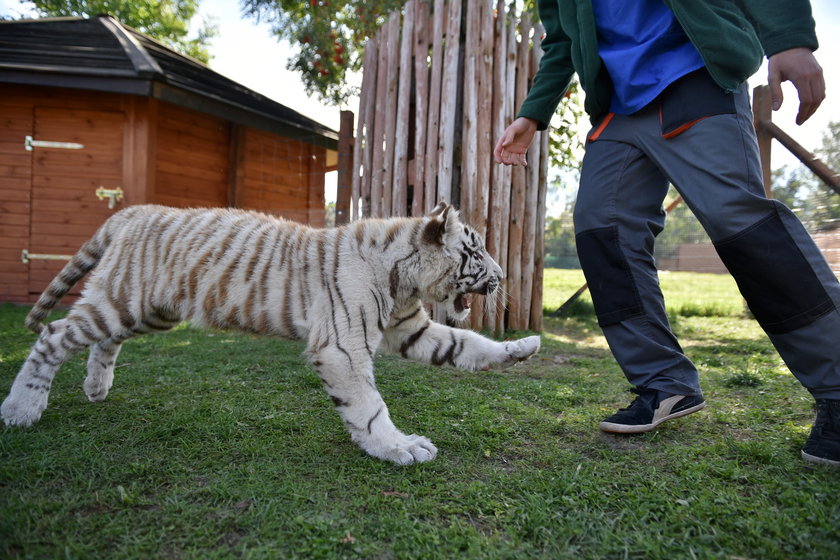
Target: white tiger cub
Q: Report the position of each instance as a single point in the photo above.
(347, 291)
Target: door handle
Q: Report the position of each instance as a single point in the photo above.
(113, 195)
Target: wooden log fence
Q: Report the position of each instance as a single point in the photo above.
(441, 81)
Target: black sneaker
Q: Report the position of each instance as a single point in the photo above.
(650, 409)
(823, 445)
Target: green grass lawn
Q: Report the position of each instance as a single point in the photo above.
(219, 445)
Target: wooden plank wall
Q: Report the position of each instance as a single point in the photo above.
(442, 80)
(16, 122)
(192, 158)
(279, 176)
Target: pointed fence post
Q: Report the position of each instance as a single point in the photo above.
(344, 180)
(762, 112)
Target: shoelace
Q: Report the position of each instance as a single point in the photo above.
(643, 393)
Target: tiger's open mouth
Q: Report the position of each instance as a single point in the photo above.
(461, 302)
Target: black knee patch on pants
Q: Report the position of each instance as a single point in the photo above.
(608, 275)
(781, 289)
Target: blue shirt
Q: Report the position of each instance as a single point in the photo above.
(644, 49)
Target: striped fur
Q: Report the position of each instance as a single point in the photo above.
(348, 292)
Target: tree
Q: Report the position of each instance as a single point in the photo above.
(560, 248)
(329, 214)
(330, 35)
(815, 203)
(168, 21)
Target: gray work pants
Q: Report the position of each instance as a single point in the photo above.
(714, 165)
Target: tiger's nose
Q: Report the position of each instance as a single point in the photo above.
(496, 272)
(493, 282)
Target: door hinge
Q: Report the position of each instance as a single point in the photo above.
(29, 144)
(26, 256)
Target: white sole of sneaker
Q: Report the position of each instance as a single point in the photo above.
(614, 428)
(819, 460)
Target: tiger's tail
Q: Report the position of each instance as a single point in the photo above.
(85, 260)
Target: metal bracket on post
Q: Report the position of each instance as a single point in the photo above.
(113, 195)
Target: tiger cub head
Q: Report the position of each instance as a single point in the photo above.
(455, 262)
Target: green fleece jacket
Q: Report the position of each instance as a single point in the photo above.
(731, 36)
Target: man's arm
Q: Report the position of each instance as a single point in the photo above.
(800, 67)
(787, 33)
(555, 71)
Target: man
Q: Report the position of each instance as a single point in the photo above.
(665, 85)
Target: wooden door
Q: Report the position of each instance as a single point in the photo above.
(65, 208)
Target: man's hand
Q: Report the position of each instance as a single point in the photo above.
(801, 68)
(511, 147)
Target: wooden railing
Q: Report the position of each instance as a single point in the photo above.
(767, 130)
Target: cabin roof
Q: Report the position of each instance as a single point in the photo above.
(102, 54)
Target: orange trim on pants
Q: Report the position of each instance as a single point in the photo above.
(597, 132)
(682, 128)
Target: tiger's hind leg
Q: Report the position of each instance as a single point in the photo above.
(103, 354)
(31, 388)
(100, 367)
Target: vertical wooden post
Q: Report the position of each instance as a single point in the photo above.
(360, 186)
(449, 102)
(140, 145)
(518, 192)
(421, 41)
(377, 164)
(506, 183)
(236, 166)
(536, 321)
(499, 122)
(391, 100)
(469, 119)
(763, 112)
(371, 67)
(484, 137)
(532, 187)
(399, 200)
(345, 168)
(469, 131)
(430, 174)
(485, 117)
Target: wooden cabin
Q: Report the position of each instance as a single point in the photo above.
(95, 116)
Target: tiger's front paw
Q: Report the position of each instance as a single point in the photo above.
(520, 350)
(402, 449)
(23, 408)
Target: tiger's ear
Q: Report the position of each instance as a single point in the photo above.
(441, 206)
(442, 227)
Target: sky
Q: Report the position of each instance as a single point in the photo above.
(248, 53)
